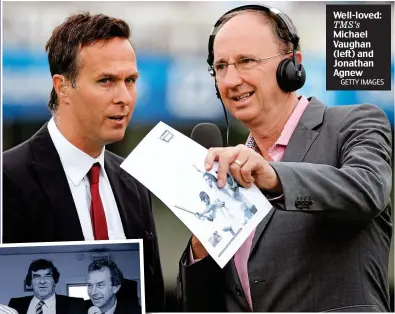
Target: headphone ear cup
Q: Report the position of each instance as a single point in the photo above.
(281, 74)
(287, 76)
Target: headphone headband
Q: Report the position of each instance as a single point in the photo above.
(293, 36)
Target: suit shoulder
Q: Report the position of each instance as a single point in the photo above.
(17, 156)
(362, 113)
(114, 158)
(23, 298)
(361, 109)
(19, 300)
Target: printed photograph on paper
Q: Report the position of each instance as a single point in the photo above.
(171, 165)
(84, 278)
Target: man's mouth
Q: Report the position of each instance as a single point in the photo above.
(117, 118)
(96, 299)
(243, 96)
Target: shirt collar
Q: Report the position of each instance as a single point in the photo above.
(289, 126)
(50, 302)
(76, 163)
(112, 310)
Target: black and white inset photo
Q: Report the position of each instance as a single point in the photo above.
(72, 278)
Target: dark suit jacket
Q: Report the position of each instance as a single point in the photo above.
(325, 245)
(64, 304)
(123, 307)
(38, 205)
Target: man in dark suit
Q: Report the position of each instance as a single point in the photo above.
(324, 246)
(62, 184)
(43, 276)
(104, 280)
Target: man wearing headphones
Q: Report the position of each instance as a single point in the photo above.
(325, 244)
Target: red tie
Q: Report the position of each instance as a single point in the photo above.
(99, 223)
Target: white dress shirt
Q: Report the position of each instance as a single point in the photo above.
(48, 308)
(112, 310)
(76, 165)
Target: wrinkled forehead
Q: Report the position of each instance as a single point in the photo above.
(245, 33)
(101, 275)
(42, 272)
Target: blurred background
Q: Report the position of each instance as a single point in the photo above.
(170, 39)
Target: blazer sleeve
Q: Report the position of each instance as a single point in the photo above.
(359, 187)
(15, 222)
(200, 286)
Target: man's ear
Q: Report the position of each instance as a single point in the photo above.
(60, 84)
(299, 57)
(115, 289)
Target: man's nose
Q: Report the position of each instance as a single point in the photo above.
(123, 95)
(232, 77)
(93, 291)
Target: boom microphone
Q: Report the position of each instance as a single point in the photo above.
(207, 134)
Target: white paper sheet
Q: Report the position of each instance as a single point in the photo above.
(171, 166)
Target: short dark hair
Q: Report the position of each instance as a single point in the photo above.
(116, 273)
(280, 30)
(203, 196)
(39, 265)
(76, 32)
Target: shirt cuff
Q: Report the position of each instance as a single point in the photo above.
(191, 259)
(274, 198)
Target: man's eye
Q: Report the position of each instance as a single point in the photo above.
(104, 81)
(220, 66)
(130, 80)
(246, 61)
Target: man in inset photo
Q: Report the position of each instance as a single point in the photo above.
(104, 282)
(43, 276)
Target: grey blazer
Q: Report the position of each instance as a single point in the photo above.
(325, 245)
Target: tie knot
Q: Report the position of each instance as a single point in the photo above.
(93, 174)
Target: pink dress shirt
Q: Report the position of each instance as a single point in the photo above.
(276, 152)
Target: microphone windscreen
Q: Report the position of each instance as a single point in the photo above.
(94, 310)
(207, 134)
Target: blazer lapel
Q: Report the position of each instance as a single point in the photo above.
(127, 198)
(52, 177)
(304, 134)
(297, 148)
(235, 275)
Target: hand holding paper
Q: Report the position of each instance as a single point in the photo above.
(245, 165)
(172, 166)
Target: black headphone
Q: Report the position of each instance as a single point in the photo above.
(290, 75)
